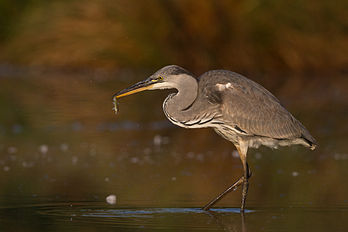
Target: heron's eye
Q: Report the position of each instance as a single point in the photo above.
(160, 78)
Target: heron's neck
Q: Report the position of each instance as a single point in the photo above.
(176, 105)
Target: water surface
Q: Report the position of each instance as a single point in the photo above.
(96, 216)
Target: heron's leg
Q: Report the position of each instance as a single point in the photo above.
(229, 189)
(243, 180)
(246, 175)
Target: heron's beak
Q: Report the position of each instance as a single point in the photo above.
(138, 87)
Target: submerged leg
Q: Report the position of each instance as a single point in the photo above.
(243, 180)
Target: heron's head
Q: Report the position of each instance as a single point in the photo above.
(167, 77)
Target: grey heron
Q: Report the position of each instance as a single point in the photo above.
(237, 108)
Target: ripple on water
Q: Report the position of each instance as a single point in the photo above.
(152, 212)
(96, 210)
(183, 219)
(82, 215)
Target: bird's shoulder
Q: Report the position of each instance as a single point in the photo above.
(224, 85)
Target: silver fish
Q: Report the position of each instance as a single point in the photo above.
(115, 102)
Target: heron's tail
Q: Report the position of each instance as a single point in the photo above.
(308, 138)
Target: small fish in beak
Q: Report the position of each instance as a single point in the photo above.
(115, 102)
(138, 87)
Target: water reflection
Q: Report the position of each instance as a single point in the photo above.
(227, 219)
(231, 223)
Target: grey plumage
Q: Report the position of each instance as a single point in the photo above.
(237, 108)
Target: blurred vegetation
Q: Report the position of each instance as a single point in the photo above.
(265, 36)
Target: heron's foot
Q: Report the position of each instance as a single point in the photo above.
(229, 189)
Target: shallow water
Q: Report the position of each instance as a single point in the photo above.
(63, 151)
(92, 216)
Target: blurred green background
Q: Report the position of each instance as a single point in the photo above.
(61, 61)
(264, 36)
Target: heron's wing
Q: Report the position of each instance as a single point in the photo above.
(250, 108)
